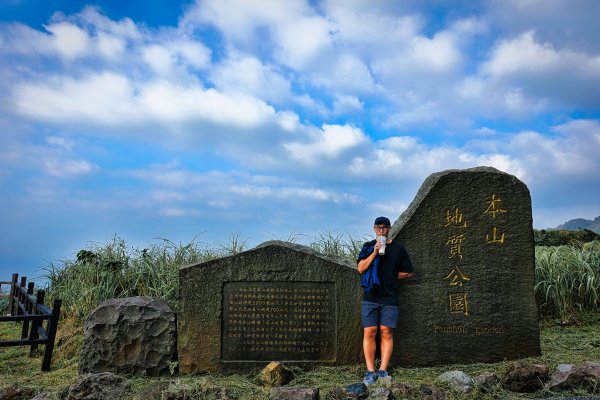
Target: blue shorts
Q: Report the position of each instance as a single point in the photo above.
(375, 314)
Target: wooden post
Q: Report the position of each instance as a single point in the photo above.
(35, 325)
(28, 305)
(52, 326)
(20, 293)
(13, 292)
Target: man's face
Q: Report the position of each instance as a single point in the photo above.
(381, 230)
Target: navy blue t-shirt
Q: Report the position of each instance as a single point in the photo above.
(395, 260)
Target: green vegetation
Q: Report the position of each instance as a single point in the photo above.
(556, 237)
(567, 280)
(567, 290)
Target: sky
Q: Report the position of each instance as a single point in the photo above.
(274, 119)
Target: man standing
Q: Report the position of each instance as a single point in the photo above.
(380, 273)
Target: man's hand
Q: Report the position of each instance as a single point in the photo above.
(405, 275)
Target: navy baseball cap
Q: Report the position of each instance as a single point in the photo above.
(382, 221)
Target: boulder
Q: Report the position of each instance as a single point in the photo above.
(400, 389)
(569, 376)
(381, 393)
(430, 392)
(102, 386)
(281, 393)
(135, 335)
(457, 380)
(275, 374)
(17, 392)
(350, 392)
(486, 382)
(525, 378)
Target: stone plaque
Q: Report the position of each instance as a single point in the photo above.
(277, 302)
(283, 321)
(470, 238)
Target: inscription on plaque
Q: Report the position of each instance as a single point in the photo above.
(286, 321)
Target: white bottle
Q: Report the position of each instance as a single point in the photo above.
(382, 240)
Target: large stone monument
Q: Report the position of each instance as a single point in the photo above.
(277, 302)
(470, 238)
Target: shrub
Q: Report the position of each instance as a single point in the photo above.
(567, 279)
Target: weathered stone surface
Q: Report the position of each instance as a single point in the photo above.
(470, 238)
(275, 374)
(102, 386)
(281, 393)
(525, 378)
(136, 335)
(457, 380)
(401, 389)
(593, 369)
(430, 392)
(17, 392)
(486, 382)
(350, 392)
(278, 302)
(569, 376)
(381, 393)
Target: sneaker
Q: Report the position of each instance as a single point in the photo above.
(382, 374)
(370, 378)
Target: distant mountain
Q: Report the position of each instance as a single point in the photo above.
(581, 223)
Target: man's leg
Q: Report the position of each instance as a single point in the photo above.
(369, 346)
(370, 314)
(387, 345)
(389, 319)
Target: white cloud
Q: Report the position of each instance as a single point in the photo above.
(69, 40)
(329, 142)
(69, 168)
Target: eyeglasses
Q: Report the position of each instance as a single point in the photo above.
(381, 227)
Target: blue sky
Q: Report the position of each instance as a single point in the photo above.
(182, 119)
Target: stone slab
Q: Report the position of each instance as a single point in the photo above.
(470, 238)
(277, 302)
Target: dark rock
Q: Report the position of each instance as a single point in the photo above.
(592, 369)
(102, 386)
(381, 393)
(457, 380)
(430, 392)
(469, 234)
(350, 392)
(226, 319)
(401, 389)
(569, 376)
(525, 378)
(134, 336)
(486, 382)
(281, 393)
(275, 374)
(17, 392)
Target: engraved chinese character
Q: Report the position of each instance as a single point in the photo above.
(494, 206)
(456, 219)
(458, 303)
(457, 277)
(495, 238)
(455, 242)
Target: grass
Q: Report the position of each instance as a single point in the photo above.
(560, 344)
(567, 291)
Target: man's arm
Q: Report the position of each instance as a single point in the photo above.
(366, 263)
(405, 275)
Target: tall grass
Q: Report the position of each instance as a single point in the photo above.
(567, 277)
(111, 270)
(567, 280)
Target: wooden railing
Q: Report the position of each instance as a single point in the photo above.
(24, 307)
